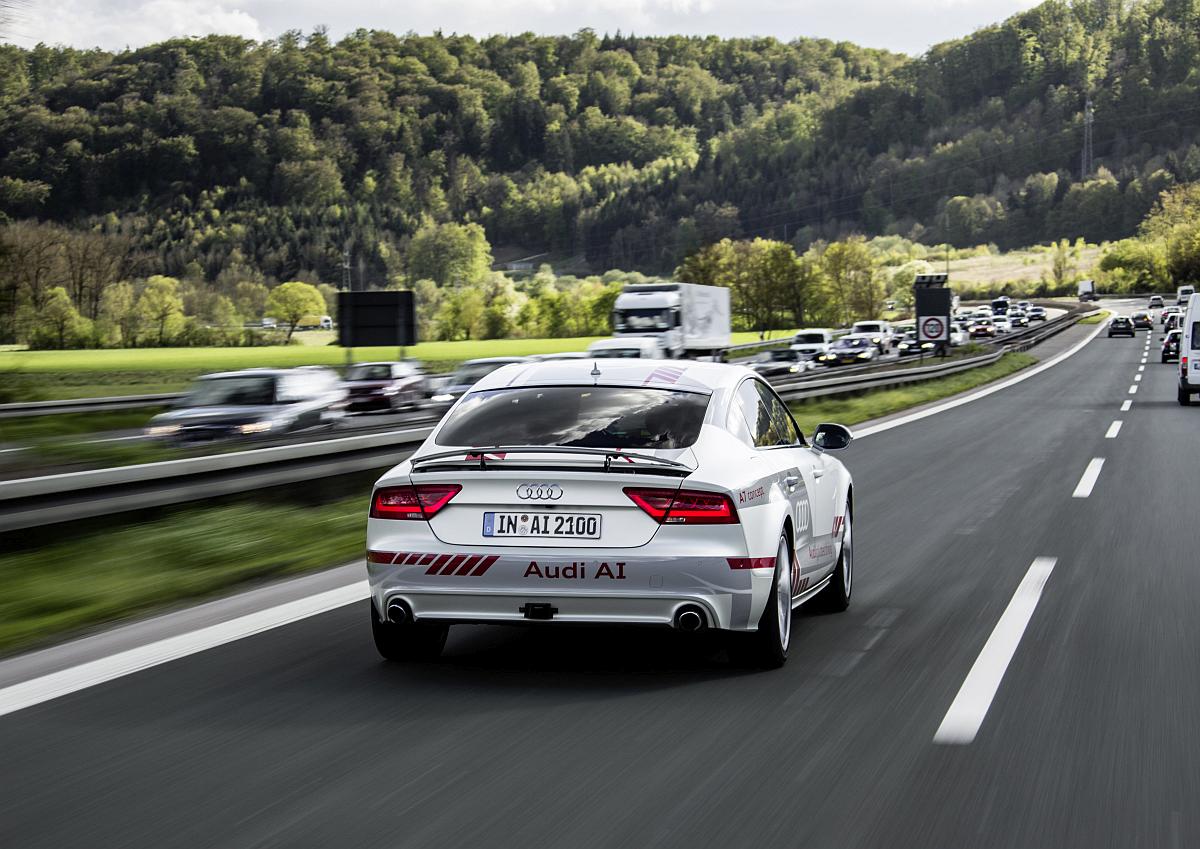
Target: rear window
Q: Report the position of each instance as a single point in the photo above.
(583, 416)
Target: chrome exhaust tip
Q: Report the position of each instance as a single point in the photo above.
(397, 612)
(689, 620)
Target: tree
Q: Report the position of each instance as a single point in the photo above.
(250, 298)
(118, 309)
(58, 322)
(449, 254)
(291, 302)
(848, 270)
(160, 306)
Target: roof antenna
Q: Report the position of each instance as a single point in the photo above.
(595, 369)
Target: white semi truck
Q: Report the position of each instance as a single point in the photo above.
(686, 318)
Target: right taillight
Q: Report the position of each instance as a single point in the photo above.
(684, 506)
(419, 502)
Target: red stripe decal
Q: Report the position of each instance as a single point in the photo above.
(412, 558)
(380, 556)
(426, 559)
(466, 568)
(751, 562)
(485, 565)
(454, 563)
(437, 564)
(399, 557)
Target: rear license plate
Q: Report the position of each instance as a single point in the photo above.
(545, 525)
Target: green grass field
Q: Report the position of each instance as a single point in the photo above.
(54, 375)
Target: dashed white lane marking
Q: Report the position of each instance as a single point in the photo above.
(1143, 360)
(1141, 368)
(56, 684)
(970, 706)
(1090, 475)
(1125, 405)
(1113, 429)
(1133, 389)
(1137, 377)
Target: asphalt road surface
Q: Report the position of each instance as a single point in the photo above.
(1041, 629)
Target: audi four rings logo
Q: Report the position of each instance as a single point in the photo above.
(540, 491)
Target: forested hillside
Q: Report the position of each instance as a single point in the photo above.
(221, 156)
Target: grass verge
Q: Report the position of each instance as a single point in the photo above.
(1095, 319)
(853, 409)
(108, 574)
(197, 551)
(73, 424)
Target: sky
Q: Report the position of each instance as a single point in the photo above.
(909, 26)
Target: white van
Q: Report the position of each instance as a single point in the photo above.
(630, 347)
(1189, 352)
(814, 339)
(881, 333)
(1183, 293)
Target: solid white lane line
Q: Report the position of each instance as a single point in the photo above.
(1090, 475)
(1024, 374)
(43, 689)
(1125, 405)
(1113, 429)
(970, 706)
(1133, 389)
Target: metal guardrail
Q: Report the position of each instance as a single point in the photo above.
(86, 405)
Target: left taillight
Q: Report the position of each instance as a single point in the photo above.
(421, 502)
(684, 506)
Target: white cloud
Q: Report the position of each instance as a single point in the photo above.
(908, 25)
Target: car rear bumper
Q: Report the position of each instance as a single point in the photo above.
(597, 586)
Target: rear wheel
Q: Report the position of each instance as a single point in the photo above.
(767, 648)
(1185, 398)
(836, 596)
(412, 641)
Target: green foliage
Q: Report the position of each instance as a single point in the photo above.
(449, 254)
(291, 302)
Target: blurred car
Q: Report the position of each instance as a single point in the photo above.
(1174, 322)
(910, 345)
(815, 340)
(785, 362)
(881, 333)
(468, 374)
(1121, 325)
(1156, 302)
(1002, 324)
(1037, 313)
(1142, 321)
(982, 328)
(385, 386)
(1024, 305)
(253, 402)
(853, 348)
(958, 334)
(628, 348)
(1170, 346)
(1167, 313)
(1018, 318)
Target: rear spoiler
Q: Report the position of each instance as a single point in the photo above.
(478, 458)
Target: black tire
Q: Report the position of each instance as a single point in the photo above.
(415, 641)
(767, 648)
(1185, 398)
(835, 598)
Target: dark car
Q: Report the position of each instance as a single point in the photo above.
(1142, 321)
(1121, 325)
(385, 386)
(254, 402)
(850, 349)
(910, 346)
(1170, 346)
(785, 362)
(468, 374)
(1037, 313)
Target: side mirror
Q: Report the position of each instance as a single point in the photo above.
(831, 437)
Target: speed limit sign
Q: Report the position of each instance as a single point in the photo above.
(933, 329)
